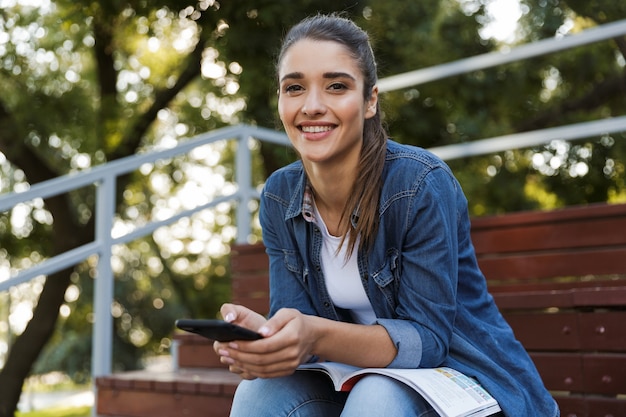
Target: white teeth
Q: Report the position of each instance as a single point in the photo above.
(316, 129)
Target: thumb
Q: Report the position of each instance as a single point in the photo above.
(243, 316)
(278, 321)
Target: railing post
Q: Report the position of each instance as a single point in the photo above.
(243, 177)
(104, 285)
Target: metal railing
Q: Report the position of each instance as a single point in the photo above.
(105, 177)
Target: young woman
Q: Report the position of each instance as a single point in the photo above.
(371, 262)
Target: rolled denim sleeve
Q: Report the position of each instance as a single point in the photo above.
(409, 354)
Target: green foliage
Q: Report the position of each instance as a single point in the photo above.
(573, 86)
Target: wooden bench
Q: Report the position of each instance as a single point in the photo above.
(560, 280)
(558, 277)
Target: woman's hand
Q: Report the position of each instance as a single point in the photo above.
(288, 341)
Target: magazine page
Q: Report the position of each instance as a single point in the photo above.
(337, 372)
(450, 392)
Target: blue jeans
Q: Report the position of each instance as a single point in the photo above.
(311, 394)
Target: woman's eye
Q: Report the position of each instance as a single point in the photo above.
(337, 86)
(293, 88)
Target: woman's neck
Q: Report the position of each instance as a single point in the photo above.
(331, 189)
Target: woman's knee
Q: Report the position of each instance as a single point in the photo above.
(298, 395)
(380, 395)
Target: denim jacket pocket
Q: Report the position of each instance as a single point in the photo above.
(293, 263)
(387, 278)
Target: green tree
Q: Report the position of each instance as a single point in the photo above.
(87, 82)
(578, 85)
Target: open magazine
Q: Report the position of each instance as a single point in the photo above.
(449, 392)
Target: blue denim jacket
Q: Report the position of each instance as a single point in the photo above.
(421, 277)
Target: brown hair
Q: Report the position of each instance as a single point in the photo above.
(364, 200)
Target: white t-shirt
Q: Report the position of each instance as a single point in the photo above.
(342, 277)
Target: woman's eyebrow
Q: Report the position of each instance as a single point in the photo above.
(292, 76)
(326, 75)
(331, 75)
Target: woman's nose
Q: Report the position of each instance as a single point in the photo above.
(313, 104)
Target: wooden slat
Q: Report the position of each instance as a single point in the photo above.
(616, 281)
(570, 214)
(589, 373)
(560, 371)
(559, 331)
(603, 331)
(605, 294)
(540, 265)
(590, 406)
(579, 226)
(605, 407)
(604, 373)
(583, 233)
(609, 296)
(572, 405)
(533, 299)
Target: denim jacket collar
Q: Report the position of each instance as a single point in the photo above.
(308, 200)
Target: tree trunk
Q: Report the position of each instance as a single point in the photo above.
(67, 234)
(27, 346)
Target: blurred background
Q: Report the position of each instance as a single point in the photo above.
(83, 83)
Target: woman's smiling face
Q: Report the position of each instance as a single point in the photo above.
(321, 102)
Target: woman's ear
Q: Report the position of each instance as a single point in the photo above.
(372, 103)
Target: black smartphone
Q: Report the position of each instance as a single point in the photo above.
(220, 330)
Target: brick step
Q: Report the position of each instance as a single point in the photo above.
(198, 386)
(196, 352)
(183, 392)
